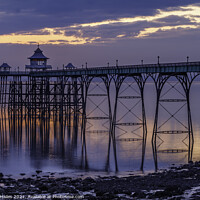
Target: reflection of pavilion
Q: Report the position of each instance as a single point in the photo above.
(38, 61)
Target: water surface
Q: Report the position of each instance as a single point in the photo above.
(29, 144)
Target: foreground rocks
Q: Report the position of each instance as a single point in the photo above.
(176, 183)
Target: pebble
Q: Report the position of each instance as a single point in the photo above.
(167, 184)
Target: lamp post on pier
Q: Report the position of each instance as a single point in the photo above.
(158, 60)
(117, 63)
(187, 59)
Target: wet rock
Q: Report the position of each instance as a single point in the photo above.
(89, 197)
(109, 196)
(128, 192)
(164, 185)
(139, 194)
(1, 175)
(45, 176)
(65, 179)
(2, 190)
(160, 194)
(86, 184)
(53, 190)
(38, 171)
(173, 190)
(89, 179)
(100, 192)
(43, 187)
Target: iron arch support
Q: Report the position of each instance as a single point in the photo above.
(140, 81)
(185, 82)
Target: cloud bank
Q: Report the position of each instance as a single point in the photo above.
(95, 28)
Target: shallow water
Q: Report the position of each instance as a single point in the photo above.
(49, 145)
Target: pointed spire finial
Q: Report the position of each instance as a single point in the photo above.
(38, 45)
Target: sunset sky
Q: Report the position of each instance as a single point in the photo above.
(98, 32)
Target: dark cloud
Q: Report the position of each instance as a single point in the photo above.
(61, 41)
(35, 32)
(74, 32)
(174, 33)
(174, 20)
(116, 31)
(24, 15)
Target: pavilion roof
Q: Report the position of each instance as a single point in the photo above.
(70, 66)
(5, 65)
(38, 54)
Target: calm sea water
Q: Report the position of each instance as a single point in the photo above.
(28, 145)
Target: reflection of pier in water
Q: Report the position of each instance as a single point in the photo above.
(100, 101)
(46, 138)
(43, 138)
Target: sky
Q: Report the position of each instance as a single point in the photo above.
(99, 31)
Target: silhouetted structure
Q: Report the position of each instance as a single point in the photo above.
(69, 66)
(5, 67)
(38, 61)
(64, 94)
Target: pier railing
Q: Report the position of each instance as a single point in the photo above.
(181, 67)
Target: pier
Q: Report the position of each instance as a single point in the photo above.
(65, 94)
(104, 100)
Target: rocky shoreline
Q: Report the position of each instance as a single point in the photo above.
(176, 183)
